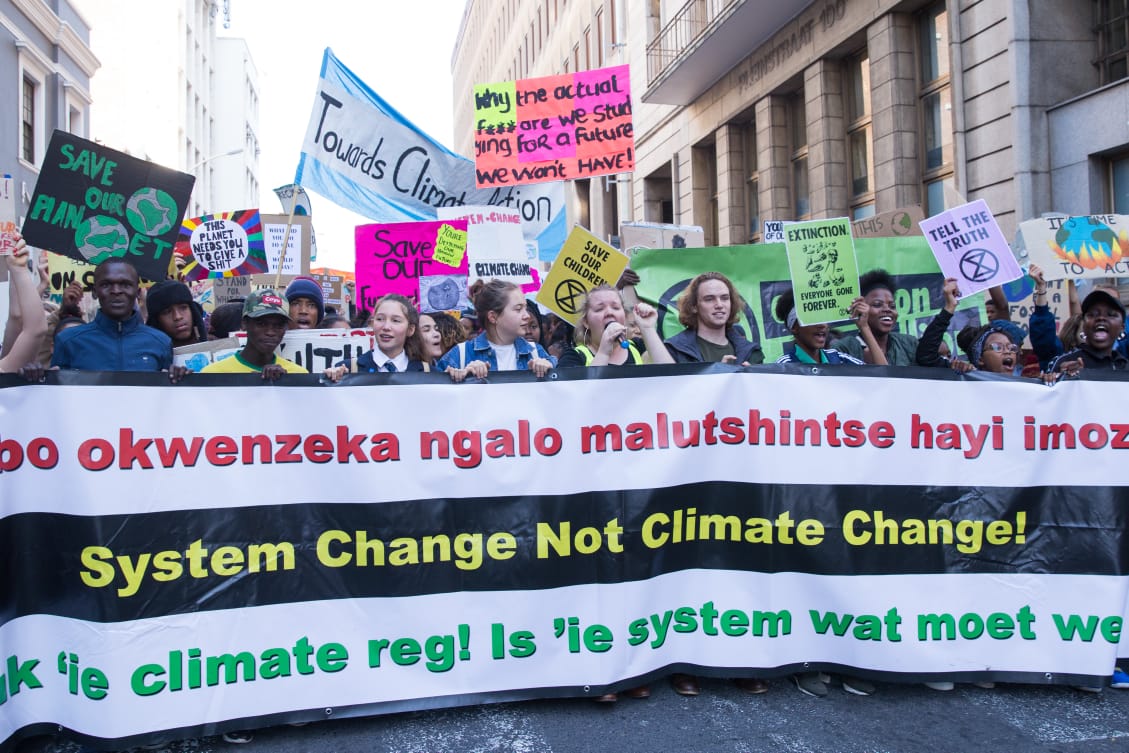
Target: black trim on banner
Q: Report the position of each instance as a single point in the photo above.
(142, 379)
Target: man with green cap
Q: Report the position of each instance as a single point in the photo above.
(265, 320)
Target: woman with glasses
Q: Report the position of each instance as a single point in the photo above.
(990, 348)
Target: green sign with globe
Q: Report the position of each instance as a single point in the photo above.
(92, 203)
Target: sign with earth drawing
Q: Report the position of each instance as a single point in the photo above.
(92, 203)
(1089, 247)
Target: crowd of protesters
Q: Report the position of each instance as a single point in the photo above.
(506, 332)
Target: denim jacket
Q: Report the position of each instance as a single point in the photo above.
(479, 349)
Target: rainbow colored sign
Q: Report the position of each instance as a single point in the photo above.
(229, 244)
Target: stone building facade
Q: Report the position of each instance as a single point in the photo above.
(747, 111)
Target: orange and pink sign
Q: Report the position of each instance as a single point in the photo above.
(534, 130)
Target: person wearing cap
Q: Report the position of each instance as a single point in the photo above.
(810, 340)
(1103, 326)
(877, 288)
(172, 310)
(117, 339)
(265, 319)
(307, 306)
(709, 309)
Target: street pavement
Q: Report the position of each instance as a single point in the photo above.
(897, 719)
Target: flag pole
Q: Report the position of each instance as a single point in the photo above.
(286, 239)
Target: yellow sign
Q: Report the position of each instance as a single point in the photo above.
(450, 246)
(583, 263)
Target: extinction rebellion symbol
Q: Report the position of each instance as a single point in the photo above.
(979, 265)
(568, 294)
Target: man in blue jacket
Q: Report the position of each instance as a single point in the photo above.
(117, 339)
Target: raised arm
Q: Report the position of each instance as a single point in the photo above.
(25, 301)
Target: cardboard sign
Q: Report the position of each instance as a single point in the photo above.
(228, 289)
(495, 245)
(1084, 247)
(332, 288)
(894, 224)
(92, 203)
(392, 257)
(299, 249)
(773, 232)
(970, 246)
(824, 272)
(7, 216)
(565, 127)
(228, 244)
(63, 270)
(584, 263)
(635, 236)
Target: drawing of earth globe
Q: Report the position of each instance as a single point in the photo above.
(444, 296)
(151, 211)
(100, 236)
(1081, 234)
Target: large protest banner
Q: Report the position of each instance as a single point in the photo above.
(565, 127)
(1089, 247)
(364, 155)
(392, 257)
(760, 273)
(300, 548)
(92, 203)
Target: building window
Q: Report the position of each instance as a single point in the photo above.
(859, 153)
(1119, 185)
(935, 97)
(798, 141)
(28, 117)
(1112, 27)
(752, 189)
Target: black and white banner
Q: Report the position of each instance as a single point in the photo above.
(226, 553)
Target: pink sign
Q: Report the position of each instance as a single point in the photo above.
(391, 257)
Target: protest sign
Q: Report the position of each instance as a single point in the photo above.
(63, 270)
(8, 217)
(494, 243)
(450, 246)
(418, 548)
(92, 203)
(332, 287)
(443, 293)
(227, 289)
(565, 127)
(198, 355)
(362, 154)
(228, 244)
(294, 197)
(392, 257)
(970, 247)
(1084, 247)
(825, 278)
(893, 224)
(585, 262)
(298, 250)
(773, 231)
(639, 235)
(760, 273)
